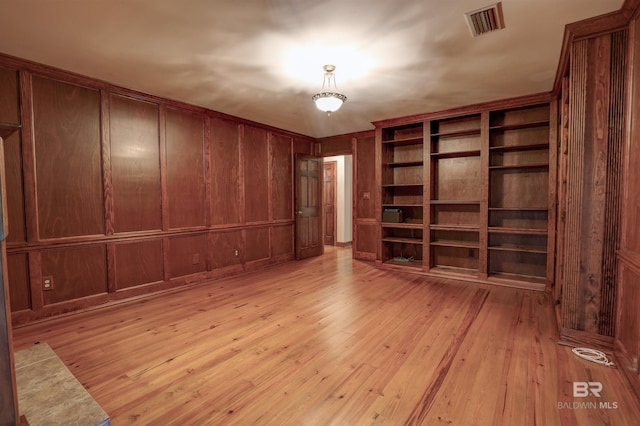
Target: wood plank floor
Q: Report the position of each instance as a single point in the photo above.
(333, 341)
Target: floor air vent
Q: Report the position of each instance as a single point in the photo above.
(485, 20)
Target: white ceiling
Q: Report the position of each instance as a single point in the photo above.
(262, 60)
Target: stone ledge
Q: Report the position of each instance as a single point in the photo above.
(49, 394)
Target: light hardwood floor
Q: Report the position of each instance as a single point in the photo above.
(333, 341)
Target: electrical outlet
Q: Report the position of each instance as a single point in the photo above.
(47, 282)
(236, 252)
(196, 258)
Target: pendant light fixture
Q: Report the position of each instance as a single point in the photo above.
(328, 99)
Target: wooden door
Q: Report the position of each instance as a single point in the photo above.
(329, 213)
(308, 204)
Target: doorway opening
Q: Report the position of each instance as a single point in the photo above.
(337, 203)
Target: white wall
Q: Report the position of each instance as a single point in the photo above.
(344, 200)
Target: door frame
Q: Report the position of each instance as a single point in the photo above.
(334, 164)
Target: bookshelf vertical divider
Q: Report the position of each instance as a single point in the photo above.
(553, 188)
(429, 179)
(483, 254)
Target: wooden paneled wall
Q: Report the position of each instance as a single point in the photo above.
(627, 342)
(362, 146)
(595, 136)
(114, 193)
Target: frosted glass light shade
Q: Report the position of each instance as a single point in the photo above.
(329, 101)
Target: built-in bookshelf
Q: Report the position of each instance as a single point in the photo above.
(466, 196)
(518, 199)
(402, 187)
(454, 203)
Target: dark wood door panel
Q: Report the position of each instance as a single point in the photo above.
(185, 169)
(308, 206)
(138, 263)
(66, 122)
(135, 165)
(75, 272)
(256, 174)
(225, 172)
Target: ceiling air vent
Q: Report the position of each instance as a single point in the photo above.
(485, 20)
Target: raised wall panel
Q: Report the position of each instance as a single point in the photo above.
(225, 172)
(629, 316)
(10, 114)
(632, 230)
(281, 178)
(256, 174)
(365, 179)
(282, 240)
(187, 255)
(160, 180)
(77, 272)
(257, 244)
(68, 159)
(9, 101)
(223, 247)
(366, 238)
(19, 291)
(185, 169)
(631, 220)
(138, 263)
(302, 146)
(15, 189)
(135, 164)
(365, 193)
(337, 145)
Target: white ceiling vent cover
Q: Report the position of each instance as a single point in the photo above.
(485, 20)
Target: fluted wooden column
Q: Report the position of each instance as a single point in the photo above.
(594, 147)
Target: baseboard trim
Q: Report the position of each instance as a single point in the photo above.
(578, 338)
